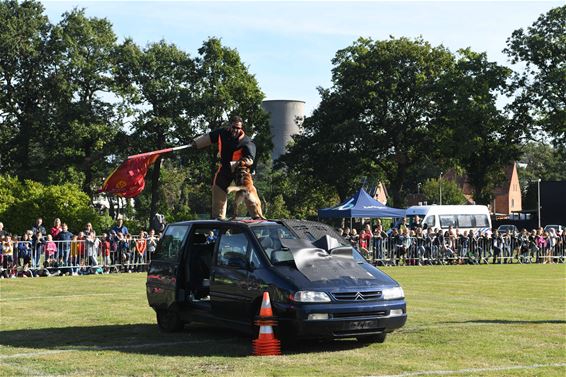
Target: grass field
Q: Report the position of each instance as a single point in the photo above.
(503, 320)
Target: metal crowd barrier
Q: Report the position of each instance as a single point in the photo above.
(411, 251)
(80, 257)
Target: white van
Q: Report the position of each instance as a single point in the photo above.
(462, 217)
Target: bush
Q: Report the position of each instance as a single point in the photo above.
(21, 203)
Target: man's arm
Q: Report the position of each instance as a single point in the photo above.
(249, 152)
(202, 141)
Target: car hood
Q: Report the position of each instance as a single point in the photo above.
(334, 283)
(315, 267)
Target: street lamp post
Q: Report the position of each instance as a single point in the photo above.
(538, 202)
(440, 188)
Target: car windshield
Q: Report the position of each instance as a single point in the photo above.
(270, 237)
(275, 232)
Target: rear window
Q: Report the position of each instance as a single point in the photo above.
(170, 244)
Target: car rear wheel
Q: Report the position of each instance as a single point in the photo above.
(169, 321)
(377, 338)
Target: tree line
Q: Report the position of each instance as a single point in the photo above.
(75, 102)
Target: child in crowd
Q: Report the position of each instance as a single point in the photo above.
(151, 243)
(114, 253)
(83, 269)
(7, 257)
(50, 250)
(92, 244)
(1, 251)
(37, 248)
(24, 271)
(123, 250)
(141, 246)
(24, 250)
(8, 252)
(105, 250)
(131, 250)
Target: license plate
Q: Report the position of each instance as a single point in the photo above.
(362, 325)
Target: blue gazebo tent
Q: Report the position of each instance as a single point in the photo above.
(361, 205)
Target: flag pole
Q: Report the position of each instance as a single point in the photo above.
(161, 151)
(181, 147)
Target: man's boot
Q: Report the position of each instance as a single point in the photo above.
(219, 203)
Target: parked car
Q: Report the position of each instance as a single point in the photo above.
(507, 228)
(557, 228)
(320, 287)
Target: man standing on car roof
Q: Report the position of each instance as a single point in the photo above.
(233, 146)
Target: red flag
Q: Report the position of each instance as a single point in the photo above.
(127, 180)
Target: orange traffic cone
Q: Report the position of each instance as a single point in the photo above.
(266, 344)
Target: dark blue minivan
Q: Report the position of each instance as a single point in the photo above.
(320, 287)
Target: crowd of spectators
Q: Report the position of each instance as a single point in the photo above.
(39, 252)
(417, 245)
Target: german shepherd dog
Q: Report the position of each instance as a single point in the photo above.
(245, 191)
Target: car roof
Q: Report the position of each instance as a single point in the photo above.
(247, 222)
(304, 229)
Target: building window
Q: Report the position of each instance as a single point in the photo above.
(512, 203)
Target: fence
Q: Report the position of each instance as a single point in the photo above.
(89, 256)
(410, 251)
(82, 256)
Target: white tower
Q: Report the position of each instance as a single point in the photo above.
(285, 117)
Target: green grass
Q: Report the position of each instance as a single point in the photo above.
(467, 319)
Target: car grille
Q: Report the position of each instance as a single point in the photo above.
(357, 296)
(379, 313)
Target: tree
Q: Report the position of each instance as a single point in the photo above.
(225, 87)
(542, 161)
(159, 82)
(25, 67)
(483, 140)
(379, 117)
(86, 123)
(23, 202)
(540, 102)
(451, 193)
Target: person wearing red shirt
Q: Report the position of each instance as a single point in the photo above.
(365, 238)
(57, 228)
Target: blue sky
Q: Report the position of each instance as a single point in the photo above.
(289, 46)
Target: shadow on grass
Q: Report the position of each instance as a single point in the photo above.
(510, 322)
(194, 340)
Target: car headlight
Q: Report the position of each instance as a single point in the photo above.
(393, 293)
(310, 296)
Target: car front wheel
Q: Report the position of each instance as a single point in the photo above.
(169, 321)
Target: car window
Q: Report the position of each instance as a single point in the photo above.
(481, 221)
(465, 221)
(447, 220)
(235, 249)
(170, 244)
